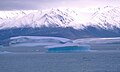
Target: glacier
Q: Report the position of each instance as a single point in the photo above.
(43, 44)
(31, 41)
(58, 45)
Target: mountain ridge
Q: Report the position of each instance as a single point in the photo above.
(106, 17)
(65, 23)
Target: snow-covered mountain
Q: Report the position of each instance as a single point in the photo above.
(70, 23)
(104, 17)
(107, 17)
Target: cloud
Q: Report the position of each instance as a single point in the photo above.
(41, 4)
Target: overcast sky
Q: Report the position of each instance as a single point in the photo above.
(44, 4)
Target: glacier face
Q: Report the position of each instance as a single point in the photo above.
(105, 17)
(35, 41)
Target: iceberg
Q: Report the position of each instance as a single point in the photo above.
(67, 48)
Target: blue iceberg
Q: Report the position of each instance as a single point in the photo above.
(68, 48)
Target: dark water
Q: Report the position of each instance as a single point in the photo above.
(101, 58)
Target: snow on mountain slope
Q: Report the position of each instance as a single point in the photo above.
(107, 17)
(7, 17)
(104, 17)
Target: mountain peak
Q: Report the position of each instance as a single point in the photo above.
(104, 17)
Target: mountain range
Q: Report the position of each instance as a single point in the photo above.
(72, 23)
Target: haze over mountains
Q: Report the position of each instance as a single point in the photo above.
(70, 23)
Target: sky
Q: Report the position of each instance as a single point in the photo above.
(45, 4)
